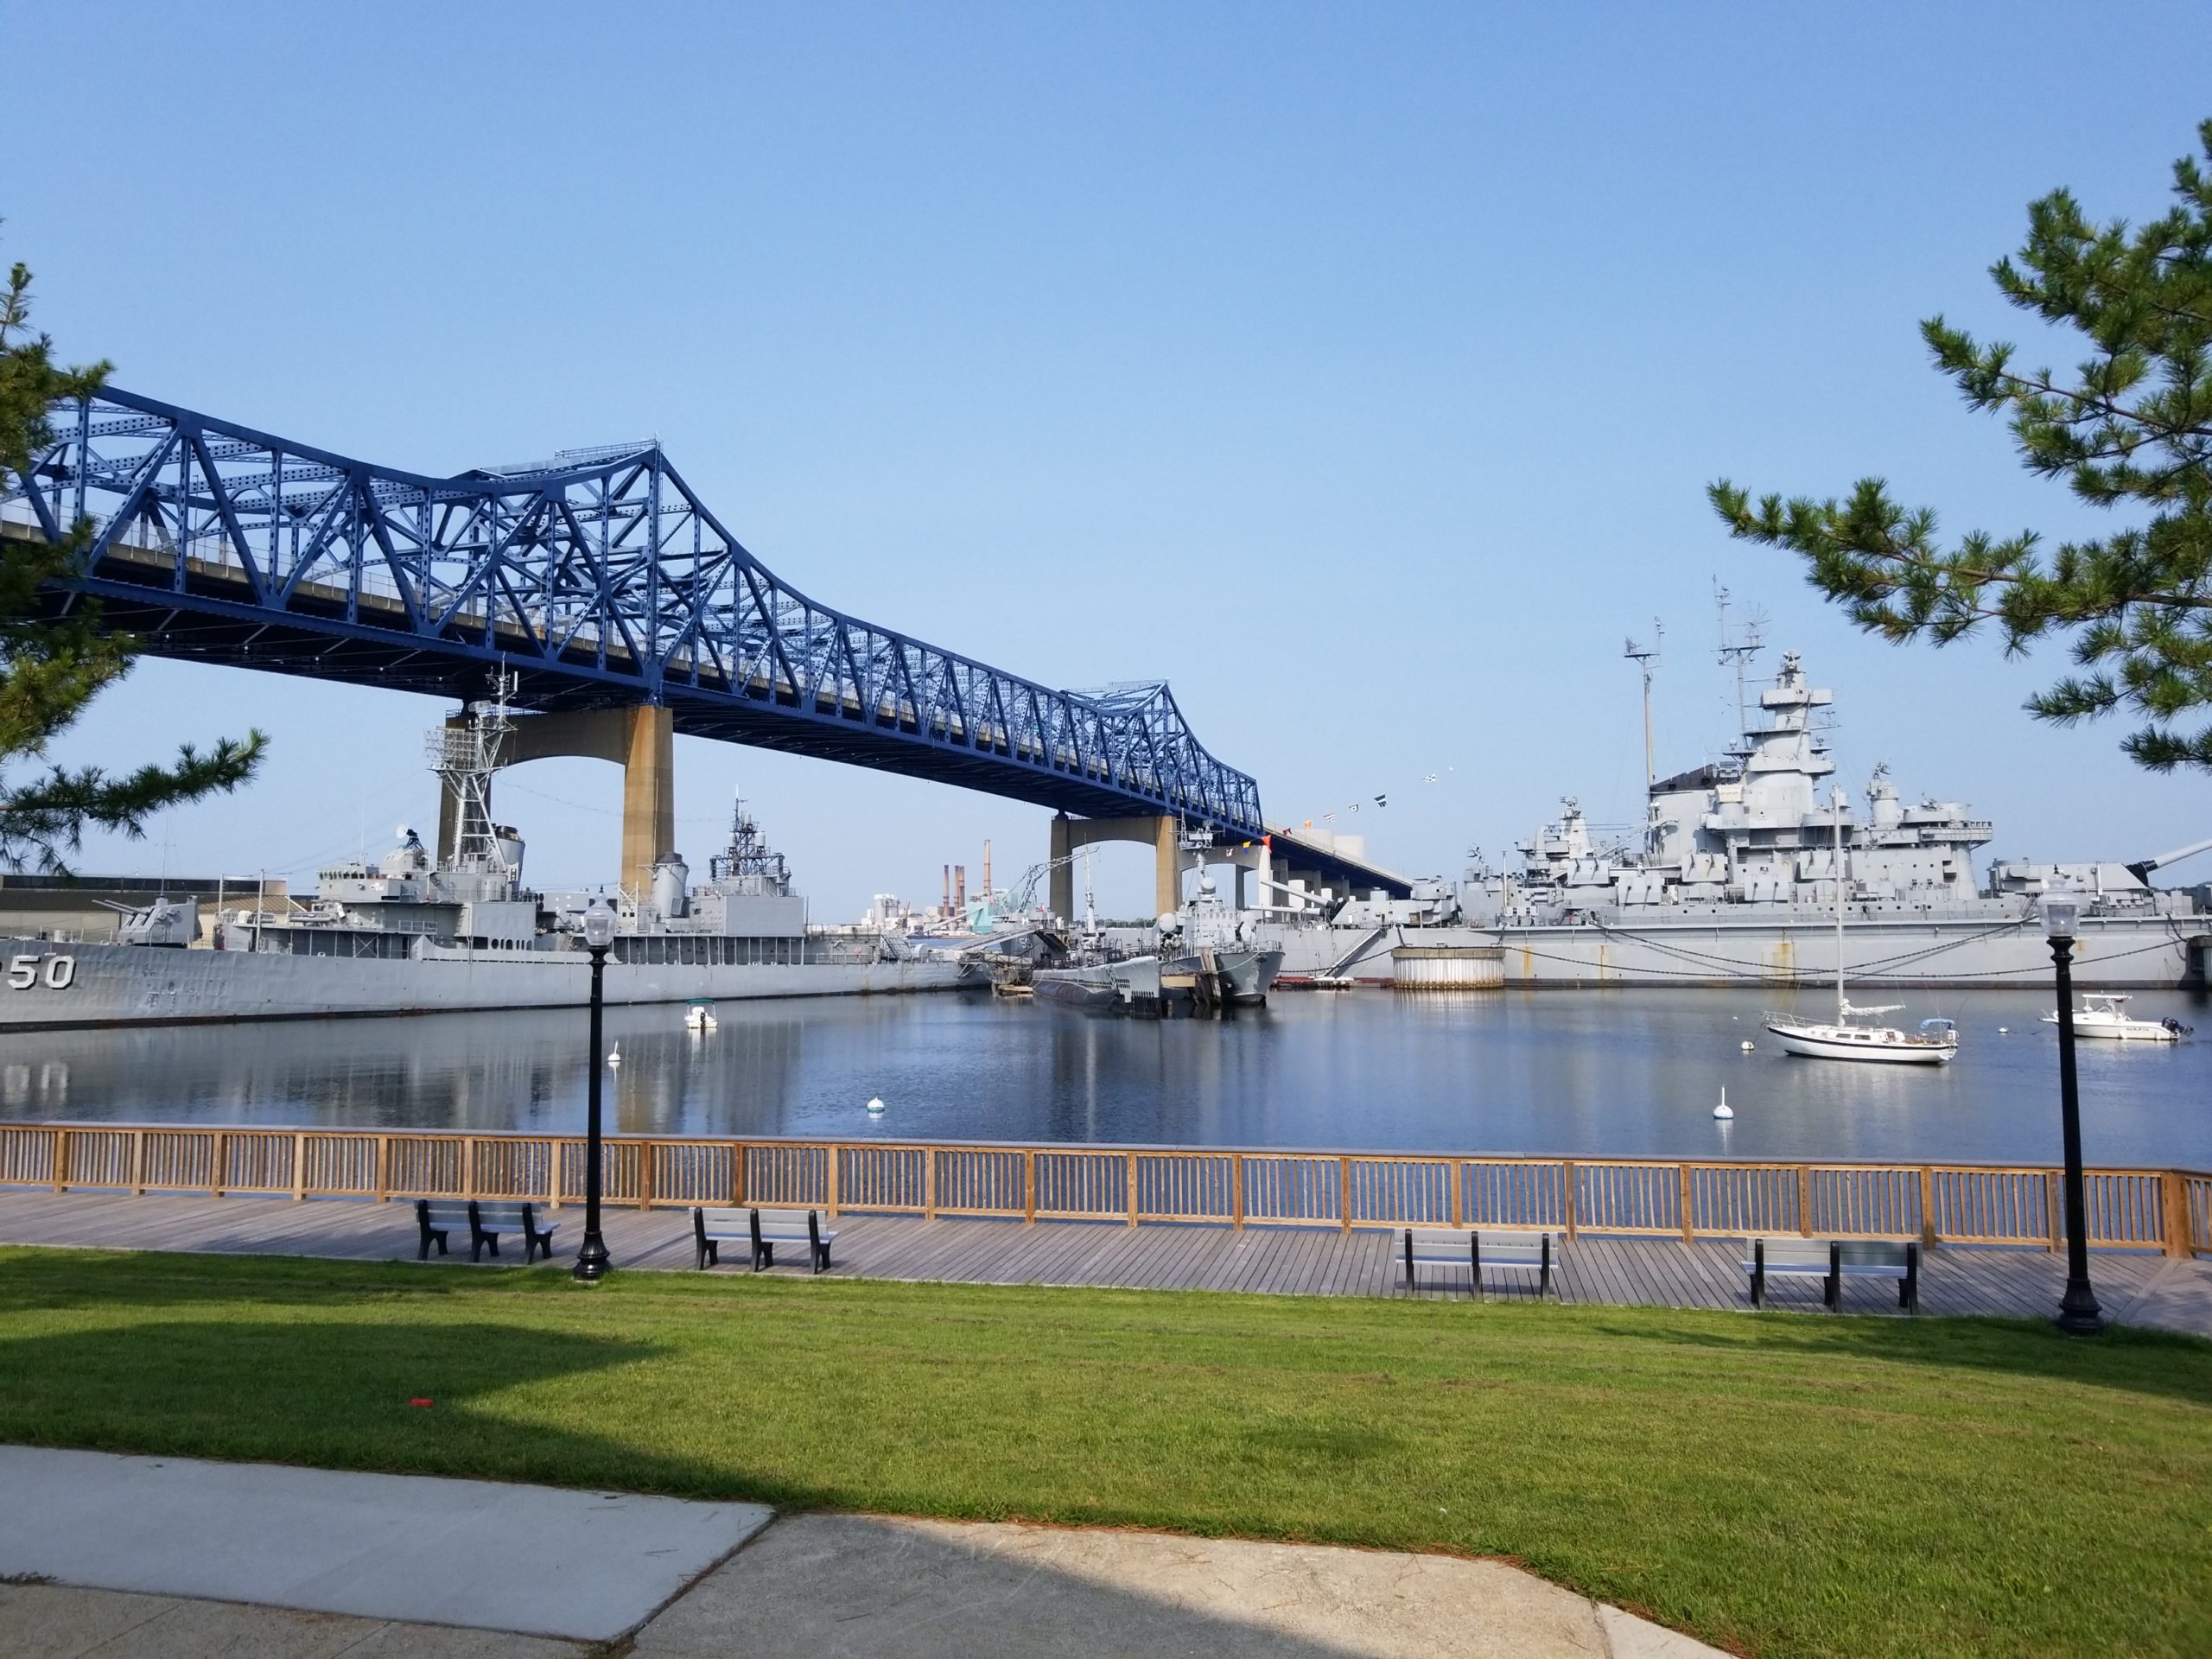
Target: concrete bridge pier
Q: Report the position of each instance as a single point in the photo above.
(1070, 835)
(640, 740)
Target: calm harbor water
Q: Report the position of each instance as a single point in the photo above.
(1587, 1073)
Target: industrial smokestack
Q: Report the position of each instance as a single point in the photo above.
(945, 904)
(960, 887)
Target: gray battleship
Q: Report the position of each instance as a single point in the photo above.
(1733, 879)
(411, 933)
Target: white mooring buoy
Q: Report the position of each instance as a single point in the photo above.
(2004, 1031)
(615, 1059)
(876, 1107)
(1748, 1046)
(1723, 1111)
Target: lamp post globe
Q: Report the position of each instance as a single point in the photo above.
(592, 1260)
(2078, 1312)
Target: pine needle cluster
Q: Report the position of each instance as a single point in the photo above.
(2130, 428)
(54, 662)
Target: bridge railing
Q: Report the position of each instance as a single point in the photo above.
(2164, 1209)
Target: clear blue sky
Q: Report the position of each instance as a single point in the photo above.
(1358, 369)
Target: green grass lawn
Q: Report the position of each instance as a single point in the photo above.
(1781, 1485)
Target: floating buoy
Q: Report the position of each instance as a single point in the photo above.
(876, 1107)
(615, 1059)
(2004, 1031)
(1723, 1111)
(1748, 1047)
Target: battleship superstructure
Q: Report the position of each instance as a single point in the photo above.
(1733, 877)
(414, 932)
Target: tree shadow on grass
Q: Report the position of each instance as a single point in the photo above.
(335, 1393)
(2134, 1359)
(38, 1279)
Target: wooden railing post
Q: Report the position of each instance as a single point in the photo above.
(2054, 1207)
(1457, 1169)
(2173, 1213)
(468, 1165)
(1567, 1195)
(928, 1183)
(384, 1169)
(299, 1167)
(1805, 1199)
(1133, 1189)
(60, 1170)
(1237, 1190)
(833, 1183)
(1927, 1207)
(1029, 1186)
(737, 1175)
(553, 1174)
(1344, 1193)
(1687, 1203)
(219, 1166)
(645, 1174)
(138, 1163)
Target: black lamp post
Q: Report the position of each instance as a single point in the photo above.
(592, 1260)
(2078, 1313)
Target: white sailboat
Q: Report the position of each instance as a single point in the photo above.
(2104, 1014)
(1936, 1043)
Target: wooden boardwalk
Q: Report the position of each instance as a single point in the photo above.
(2137, 1288)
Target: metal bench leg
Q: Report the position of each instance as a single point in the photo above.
(1544, 1277)
(1758, 1272)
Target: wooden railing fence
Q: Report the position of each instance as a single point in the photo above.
(1952, 1203)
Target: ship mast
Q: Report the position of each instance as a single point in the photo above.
(1842, 1007)
(464, 753)
(1644, 657)
(1738, 652)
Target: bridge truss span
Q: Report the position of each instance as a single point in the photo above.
(600, 578)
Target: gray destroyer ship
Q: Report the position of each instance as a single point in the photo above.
(415, 933)
(1733, 879)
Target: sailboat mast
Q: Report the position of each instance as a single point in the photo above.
(1842, 1007)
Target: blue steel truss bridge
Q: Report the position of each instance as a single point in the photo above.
(599, 579)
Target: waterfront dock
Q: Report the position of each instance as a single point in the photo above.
(2137, 1288)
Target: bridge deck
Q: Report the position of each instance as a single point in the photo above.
(2135, 1288)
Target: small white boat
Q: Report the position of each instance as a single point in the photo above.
(2104, 1014)
(1936, 1042)
(699, 1014)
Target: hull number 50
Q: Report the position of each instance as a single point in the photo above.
(55, 973)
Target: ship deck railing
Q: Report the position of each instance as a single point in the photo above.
(2168, 1211)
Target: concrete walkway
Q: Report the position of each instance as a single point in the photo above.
(128, 1556)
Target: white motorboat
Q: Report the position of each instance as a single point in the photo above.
(699, 1014)
(1936, 1043)
(2104, 1014)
